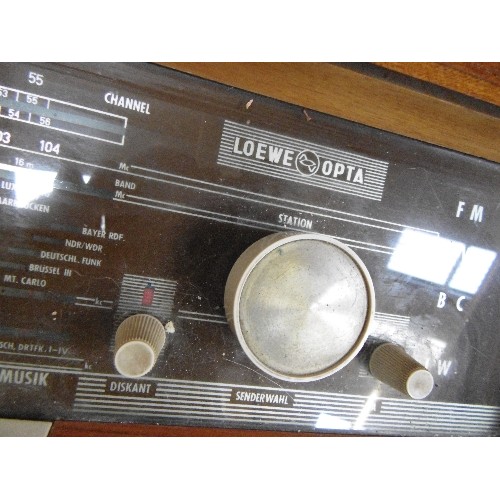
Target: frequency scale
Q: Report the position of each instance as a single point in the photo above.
(179, 252)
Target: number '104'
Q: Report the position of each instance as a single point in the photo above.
(49, 147)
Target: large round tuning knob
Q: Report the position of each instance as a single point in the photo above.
(300, 305)
(138, 342)
(393, 366)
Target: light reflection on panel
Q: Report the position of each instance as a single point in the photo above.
(327, 421)
(367, 409)
(30, 184)
(472, 270)
(441, 261)
(425, 256)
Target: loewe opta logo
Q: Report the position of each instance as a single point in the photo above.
(307, 162)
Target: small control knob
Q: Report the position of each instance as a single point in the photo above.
(393, 366)
(138, 342)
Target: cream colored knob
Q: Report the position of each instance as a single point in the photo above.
(393, 366)
(300, 305)
(138, 342)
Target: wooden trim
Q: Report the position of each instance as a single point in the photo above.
(364, 99)
(96, 429)
(478, 80)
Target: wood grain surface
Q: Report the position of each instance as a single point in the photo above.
(95, 429)
(365, 99)
(389, 106)
(478, 80)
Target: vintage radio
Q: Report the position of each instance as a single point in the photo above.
(181, 252)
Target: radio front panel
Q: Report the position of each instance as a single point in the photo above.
(131, 190)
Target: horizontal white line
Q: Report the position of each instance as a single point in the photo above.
(188, 410)
(422, 430)
(202, 416)
(389, 318)
(431, 417)
(373, 178)
(237, 222)
(339, 185)
(160, 280)
(162, 400)
(202, 313)
(283, 200)
(155, 306)
(373, 172)
(440, 408)
(54, 368)
(144, 309)
(337, 188)
(203, 319)
(257, 223)
(200, 211)
(92, 390)
(60, 158)
(322, 405)
(371, 185)
(66, 102)
(299, 395)
(363, 243)
(49, 127)
(139, 292)
(264, 134)
(191, 393)
(94, 306)
(139, 283)
(138, 300)
(304, 422)
(194, 385)
(426, 423)
(394, 422)
(84, 383)
(158, 294)
(228, 416)
(396, 316)
(452, 412)
(215, 406)
(283, 206)
(167, 383)
(233, 127)
(392, 321)
(41, 356)
(396, 402)
(327, 399)
(370, 249)
(226, 187)
(128, 288)
(93, 299)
